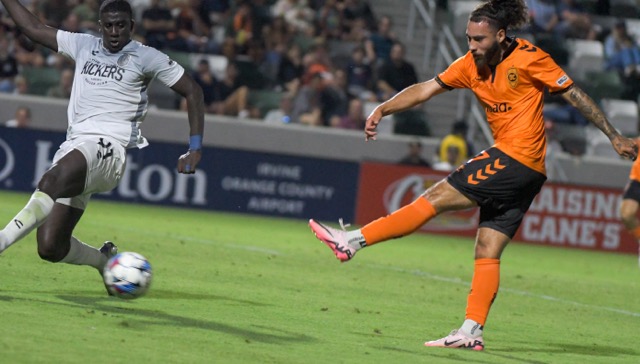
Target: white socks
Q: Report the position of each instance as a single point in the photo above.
(471, 328)
(355, 239)
(83, 254)
(29, 218)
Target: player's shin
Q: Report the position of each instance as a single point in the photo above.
(484, 288)
(30, 217)
(83, 254)
(399, 223)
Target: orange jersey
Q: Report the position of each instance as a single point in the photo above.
(512, 97)
(635, 168)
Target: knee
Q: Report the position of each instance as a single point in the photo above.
(628, 216)
(49, 251)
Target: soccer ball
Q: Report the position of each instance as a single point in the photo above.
(127, 275)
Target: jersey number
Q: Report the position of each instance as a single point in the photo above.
(105, 151)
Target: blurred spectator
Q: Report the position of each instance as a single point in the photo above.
(63, 89)
(22, 118)
(159, 27)
(378, 46)
(254, 70)
(290, 68)
(544, 16)
(192, 30)
(218, 10)
(334, 99)
(54, 11)
(575, 22)
(395, 74)
(21, 85)
(296, 13)
(243, 23)
(306, 103)
(317, 60)
(616, 39)
(27, 53)
(626, 61)
(457, 140)
(450, 160)
(8, 65)
(231, 98)
(414, 156)
(329, 20)
(358, 9)
(354, 119)
(281, 115)
(360, 76)
(358, 32)
(87, 13)
(204, 77)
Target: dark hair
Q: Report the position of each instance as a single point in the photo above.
(116, 5)
(501, 14)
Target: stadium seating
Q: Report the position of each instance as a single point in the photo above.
(460, 11)
(265, 100)
(623, 114)
(41, 79)
(602, 84)
(585, 56)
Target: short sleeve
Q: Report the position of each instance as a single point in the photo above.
(158, 65)
(546, 71)
(456, 75)
(69, 44)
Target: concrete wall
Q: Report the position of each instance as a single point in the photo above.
(253, 135)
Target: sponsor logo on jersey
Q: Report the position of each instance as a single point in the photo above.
(497, 107)
(92, 68)
(512, 77)
(562, 80)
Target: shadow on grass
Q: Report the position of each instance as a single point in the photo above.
(141, 317)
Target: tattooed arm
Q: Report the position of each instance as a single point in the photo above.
(576, 97)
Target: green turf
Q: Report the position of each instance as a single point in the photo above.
(245, 289)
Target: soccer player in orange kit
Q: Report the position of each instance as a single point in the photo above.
(508, 76)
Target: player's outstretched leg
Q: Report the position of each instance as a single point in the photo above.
(343, 245)
(457, 339)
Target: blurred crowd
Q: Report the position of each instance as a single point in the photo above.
(325, 62)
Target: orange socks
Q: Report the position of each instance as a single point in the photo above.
(402, 222)
(484, 288)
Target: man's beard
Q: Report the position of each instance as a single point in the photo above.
(488, 55)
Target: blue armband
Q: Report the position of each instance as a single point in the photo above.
(195, 142)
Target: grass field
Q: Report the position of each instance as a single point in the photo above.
(245, 289)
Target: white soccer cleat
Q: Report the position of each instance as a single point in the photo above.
(458, 340)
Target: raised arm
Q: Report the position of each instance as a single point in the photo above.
(580, 100)
(192, 92)
(31, 26)
(403, 100)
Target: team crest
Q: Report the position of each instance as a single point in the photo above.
(512, 77)
(124, 60)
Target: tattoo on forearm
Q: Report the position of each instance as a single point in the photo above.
(591, 111)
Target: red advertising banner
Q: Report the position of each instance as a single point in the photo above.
(561, 215)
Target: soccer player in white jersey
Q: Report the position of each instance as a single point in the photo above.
(108, 103)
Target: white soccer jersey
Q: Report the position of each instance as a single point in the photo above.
(109, 94)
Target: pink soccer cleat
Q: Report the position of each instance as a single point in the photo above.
(334, 239)
(457, 339)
